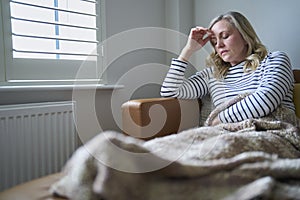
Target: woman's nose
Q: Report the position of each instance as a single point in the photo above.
(220, 43)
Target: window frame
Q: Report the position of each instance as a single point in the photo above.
(20, 70)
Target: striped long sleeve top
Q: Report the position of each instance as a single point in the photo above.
(269, 86)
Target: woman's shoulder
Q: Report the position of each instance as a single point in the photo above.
(278, 60)
(277, 55)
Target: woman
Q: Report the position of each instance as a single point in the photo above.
(238, 64)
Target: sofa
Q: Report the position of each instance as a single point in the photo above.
(140, 118)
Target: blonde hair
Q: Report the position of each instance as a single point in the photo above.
(256, 50)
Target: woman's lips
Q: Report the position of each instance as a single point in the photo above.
(223, 52)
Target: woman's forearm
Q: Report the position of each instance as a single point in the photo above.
(185, 54)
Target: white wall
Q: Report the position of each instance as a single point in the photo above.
(276, 22)
(126, 15)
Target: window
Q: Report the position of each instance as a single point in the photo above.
(51, 40)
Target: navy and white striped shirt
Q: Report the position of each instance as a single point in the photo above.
(269, 86)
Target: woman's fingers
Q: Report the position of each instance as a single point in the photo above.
(208, 37)
(198, 37)
(201, 35)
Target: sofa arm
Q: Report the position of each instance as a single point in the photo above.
(36, 189)
(155, 117)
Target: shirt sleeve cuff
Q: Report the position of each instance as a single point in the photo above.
(179, 61)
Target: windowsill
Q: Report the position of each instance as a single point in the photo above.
(56, 87)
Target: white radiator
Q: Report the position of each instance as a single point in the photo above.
(35, 140)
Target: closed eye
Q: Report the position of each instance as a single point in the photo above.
(225, 35)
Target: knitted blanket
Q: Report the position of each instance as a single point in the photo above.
(253, 159)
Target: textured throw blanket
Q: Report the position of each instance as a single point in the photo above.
(253, 159)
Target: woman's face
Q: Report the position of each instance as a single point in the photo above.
(228, 42)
